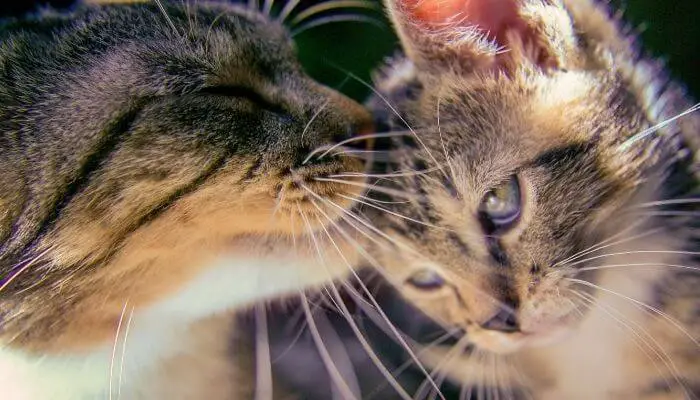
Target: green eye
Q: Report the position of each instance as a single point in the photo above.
(501, 206)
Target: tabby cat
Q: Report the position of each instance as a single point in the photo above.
(154, 174)
(550, 218)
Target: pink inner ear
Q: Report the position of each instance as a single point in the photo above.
(493, 16)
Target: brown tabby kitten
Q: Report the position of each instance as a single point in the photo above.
(153, 175)
(559, 233)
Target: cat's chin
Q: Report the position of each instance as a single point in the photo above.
(509, 343)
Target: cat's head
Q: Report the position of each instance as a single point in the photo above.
(139, 144)
(533, 112)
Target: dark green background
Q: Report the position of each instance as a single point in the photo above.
(670, 30)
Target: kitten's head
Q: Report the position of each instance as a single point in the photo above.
(139, 144)
(532, 110)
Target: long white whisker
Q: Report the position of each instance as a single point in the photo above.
(643, 134)
(377, 306)
(389, 175)
(328, 149)
(376, 188)
(669, 202)
(660, 265)
(391, 107)
(393, 213)
(312, 119)
(263, 363)
(437, 373)
(123, 357)
(167, 18)
(649, 308)
(323, 352)
(12, 275)
(335, 374)
(611, 241)
(363, 342)
(647, 340)
(114, 349)
(622, 253)
(383, 370)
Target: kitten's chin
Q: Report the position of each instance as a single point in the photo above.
(509, 343)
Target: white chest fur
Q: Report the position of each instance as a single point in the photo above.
(149, 336)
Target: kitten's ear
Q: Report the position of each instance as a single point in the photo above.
(470, 35)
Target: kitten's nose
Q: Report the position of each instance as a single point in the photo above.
(504, 321)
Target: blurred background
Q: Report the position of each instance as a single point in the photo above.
(328, 48)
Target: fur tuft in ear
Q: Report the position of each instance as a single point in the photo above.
(471, 35)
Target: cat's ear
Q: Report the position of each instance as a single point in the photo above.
(472, 35)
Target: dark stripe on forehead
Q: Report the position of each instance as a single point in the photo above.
(555, 157)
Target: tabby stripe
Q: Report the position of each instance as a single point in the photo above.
(108, 143)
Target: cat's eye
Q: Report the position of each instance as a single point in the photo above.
(500, 207)
(426, 279)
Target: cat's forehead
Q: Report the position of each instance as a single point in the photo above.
(531, 112)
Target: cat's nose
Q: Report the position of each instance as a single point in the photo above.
(503, 321)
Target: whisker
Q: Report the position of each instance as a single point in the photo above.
(167, 18)
(380, 189)
(312, 119)
(336, 18)
(660, 265)
(404, 366)
(114, 349)
(327, 149)
(390, 175)
(393, 109)
(647, 340)
(455, 351)
(17, 269)
(331, 5)
(378, 308)
(668, 202)
(393, 213)
(643, 134)
(622, 253)
(263, 363)
(211, 26)
(649, 308)
(382, 201)
(607, 243)
(323, 352)
(123, 357)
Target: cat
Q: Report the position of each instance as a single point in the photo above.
(155, 174)
(542, 206)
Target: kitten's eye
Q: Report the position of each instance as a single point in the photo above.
(501, 205)
(426, 280)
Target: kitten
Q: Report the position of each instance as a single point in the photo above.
(558, 233)
(154, 174)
